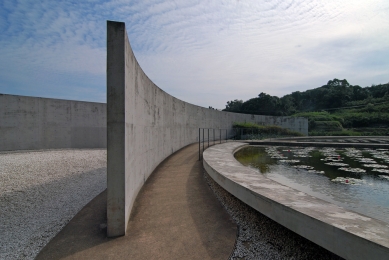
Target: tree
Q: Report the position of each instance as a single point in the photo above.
(335, 94)
(359, 93)
(287, 105)
(234, 105)
(337, 82)
(264, 104)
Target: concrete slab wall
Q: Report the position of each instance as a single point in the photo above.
(31, 123)
(348, 234)
(146, 125)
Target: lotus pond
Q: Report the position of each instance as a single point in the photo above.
(356, 179)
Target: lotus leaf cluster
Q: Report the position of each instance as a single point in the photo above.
(306, 167)
(384, 177)
(380, 170)
(373, 165)
(289, 161)
(348, 181)
(337, 164)
(349, 169)
(316, 171)
(274, 153)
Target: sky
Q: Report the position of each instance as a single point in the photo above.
(203, 52)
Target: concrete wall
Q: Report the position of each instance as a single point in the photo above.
(343, 232)
(146, 125)
(30, 123)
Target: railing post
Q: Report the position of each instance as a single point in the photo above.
(214, 136)
(226, 135)
(220, 135)
(208, 137)
(199, 146)
(203, 140)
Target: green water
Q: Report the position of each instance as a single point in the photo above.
(364, 192)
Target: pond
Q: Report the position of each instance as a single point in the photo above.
(356, 179)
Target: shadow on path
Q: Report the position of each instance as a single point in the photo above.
(175, 216)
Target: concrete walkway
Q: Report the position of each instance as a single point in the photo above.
(175, 216)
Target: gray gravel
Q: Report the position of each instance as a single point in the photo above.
(262, 238)
(40, 191)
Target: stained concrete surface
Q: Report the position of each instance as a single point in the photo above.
(175, 216)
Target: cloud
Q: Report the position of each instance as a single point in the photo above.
(203, 52)
(46, 45)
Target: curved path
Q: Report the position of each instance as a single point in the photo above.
(175, 216)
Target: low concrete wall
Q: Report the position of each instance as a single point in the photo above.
(30, 123)
(345, 233)
(280, 142)
(146, 125)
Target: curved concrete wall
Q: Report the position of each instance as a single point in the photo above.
(345, 233)
(31, 123)
(146, 125)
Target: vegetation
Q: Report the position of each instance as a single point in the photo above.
(336, 108)
(255, 131)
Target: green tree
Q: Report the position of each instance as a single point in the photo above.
(234, 105)
(287, 105)
(264, 104)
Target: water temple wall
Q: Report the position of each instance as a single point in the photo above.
(146, 125)
(140, 125)
(33, 123)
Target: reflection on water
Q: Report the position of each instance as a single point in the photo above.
(354, 179)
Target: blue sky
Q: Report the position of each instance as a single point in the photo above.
(202, 52)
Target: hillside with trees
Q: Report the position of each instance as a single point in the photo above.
(336, 108)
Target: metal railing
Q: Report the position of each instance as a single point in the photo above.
(211, 136)
(255, 134)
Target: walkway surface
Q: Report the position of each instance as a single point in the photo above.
(175, 216)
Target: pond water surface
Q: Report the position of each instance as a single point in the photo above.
(356, 179)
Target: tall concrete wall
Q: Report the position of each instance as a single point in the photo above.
(30, 123)
(145, 125)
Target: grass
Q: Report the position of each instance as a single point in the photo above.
(362, 121)
(254, 131)
(352, 132)
(335, 133)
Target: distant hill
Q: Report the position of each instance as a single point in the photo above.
(337, 103)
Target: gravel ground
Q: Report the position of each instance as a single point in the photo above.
(40, 191)
(262, 238)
